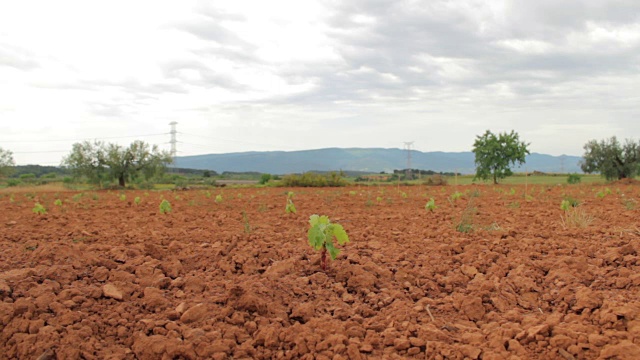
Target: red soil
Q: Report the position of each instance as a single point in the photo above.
(108, 279)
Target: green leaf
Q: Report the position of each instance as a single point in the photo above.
(332, 250)
(313, 219)
(316, 237)
(340, 234)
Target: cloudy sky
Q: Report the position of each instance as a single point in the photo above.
(288, 75)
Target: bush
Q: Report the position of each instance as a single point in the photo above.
(574, 178)
(27, 177)
(264, 178)
(314, 180)
(436, 180)
(13, 182)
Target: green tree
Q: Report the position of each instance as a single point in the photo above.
(6, 162)
(495, 154)
(612, 159)
(101, 162)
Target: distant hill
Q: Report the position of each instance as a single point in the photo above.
(357, 159)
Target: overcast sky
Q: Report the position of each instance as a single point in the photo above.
(290, 75)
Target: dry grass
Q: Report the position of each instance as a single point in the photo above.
(576, 217)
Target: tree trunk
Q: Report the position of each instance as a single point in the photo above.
(121, 180)
(495, 179)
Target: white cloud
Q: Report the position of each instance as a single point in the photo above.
(247, 75)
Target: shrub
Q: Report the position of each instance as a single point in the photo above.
(264, 178)
(13, 182)
(436, 180)
(314, 180)
(574, 178)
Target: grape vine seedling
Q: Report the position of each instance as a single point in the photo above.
(39, 209)
(58, 202)
(290, 208)
(165, 207)
(431, 205)
(137, 200)
(218, 199)
(321, 234)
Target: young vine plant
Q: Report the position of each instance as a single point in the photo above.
(431, 205)
(290, 208)
(165, 207)
(321, 234)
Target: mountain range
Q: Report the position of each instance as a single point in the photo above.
(372, 160)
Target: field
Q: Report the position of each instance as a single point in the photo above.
(490, 273)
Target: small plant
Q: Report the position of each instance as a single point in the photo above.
(629, 204)
(207, 194)
(290, 208)
(352, 193)
(39, 209)
(568, 203)
(137, 200)
(431, 205)
(218, 199)
(58, 202)
(321, 234)
(601, 194)
(122, 197)
(403, 194)
(245, 222)
(379, 199)
(514, 205)
(165, 207)
(574, 179)
(454, 197)
(465, 225)
(77, 197)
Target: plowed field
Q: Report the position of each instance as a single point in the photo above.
(494, 274)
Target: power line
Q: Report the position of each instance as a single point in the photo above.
(85, 139)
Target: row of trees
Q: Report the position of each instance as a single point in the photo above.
(495, 155)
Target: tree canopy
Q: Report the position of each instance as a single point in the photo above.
(612, 159)
(6, 162)
(101, 162)
(495, 154)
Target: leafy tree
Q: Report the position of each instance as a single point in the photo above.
(495, 154)
(611, 158)
(6, 162)
(101, 162)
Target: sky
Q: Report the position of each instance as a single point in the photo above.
(295, 74)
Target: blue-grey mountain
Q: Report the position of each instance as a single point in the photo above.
(370, 159)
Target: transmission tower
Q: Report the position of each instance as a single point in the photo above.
(407, 146)
(173, 141)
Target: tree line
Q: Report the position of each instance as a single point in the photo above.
(495, 155)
